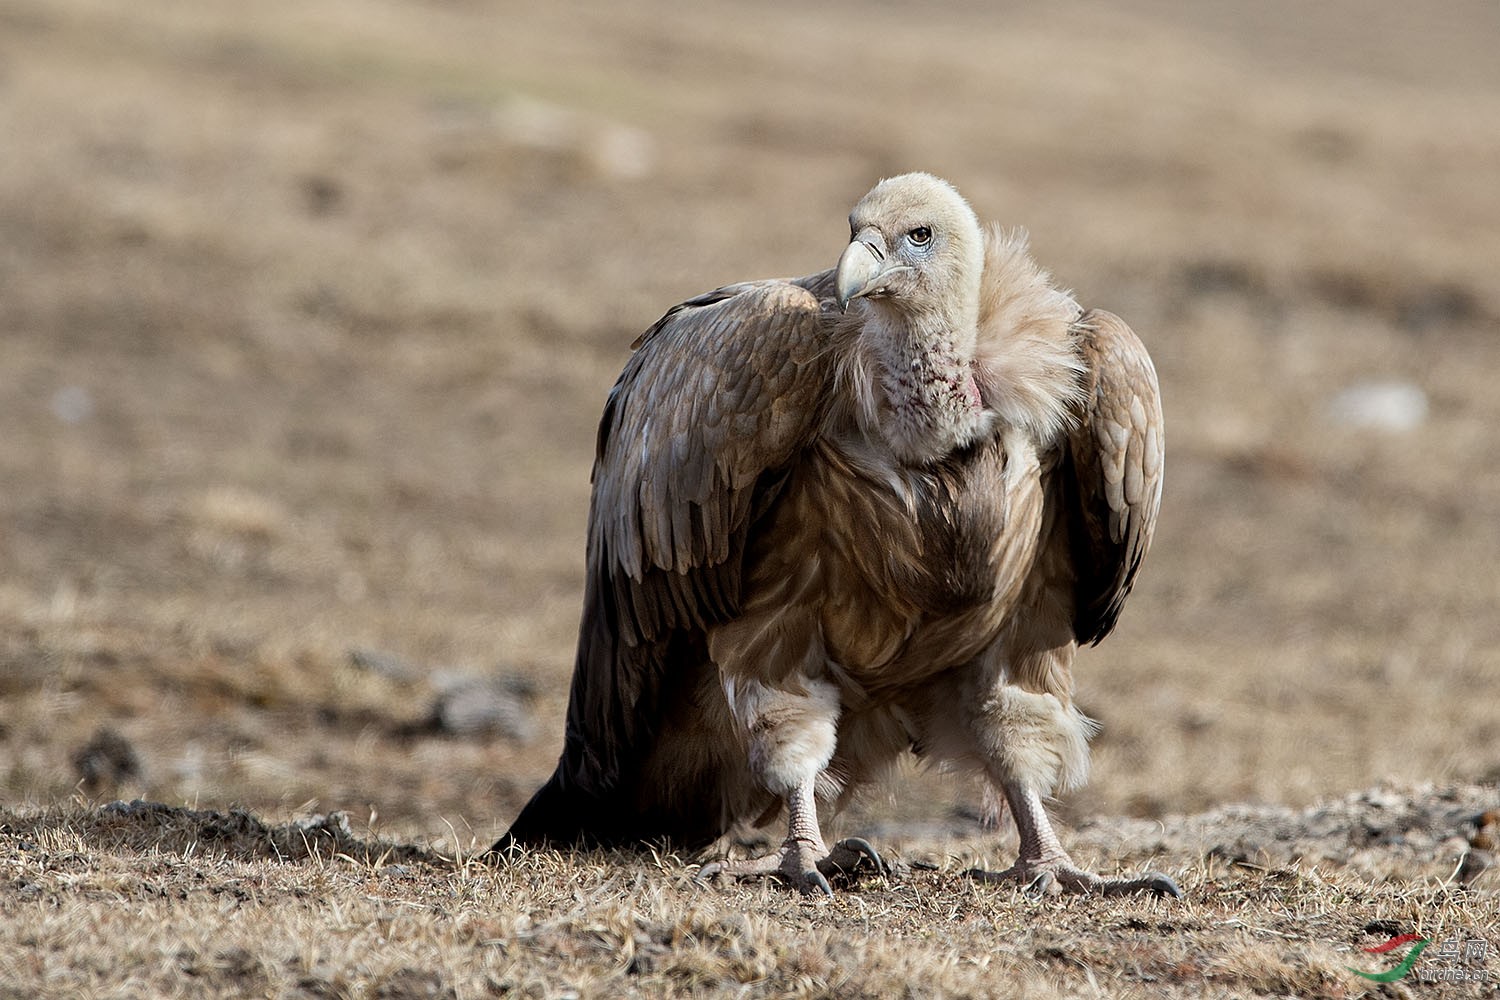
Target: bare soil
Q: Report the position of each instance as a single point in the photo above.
(308, 310)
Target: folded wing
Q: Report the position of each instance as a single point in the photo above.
(1116, 453)
(697, 436)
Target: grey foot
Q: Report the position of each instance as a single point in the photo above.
(804, 865)
(1048, 878)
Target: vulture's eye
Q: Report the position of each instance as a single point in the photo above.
(921, 236)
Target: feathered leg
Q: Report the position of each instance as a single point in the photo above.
(1032, 743)
(791, 740)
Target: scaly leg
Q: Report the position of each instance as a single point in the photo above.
(1044, 868)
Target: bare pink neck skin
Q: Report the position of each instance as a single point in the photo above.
(929, 403)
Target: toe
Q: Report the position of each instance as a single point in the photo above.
(1045, 884)
(1153, 882)
(1038, 880)
(851, 855)
(1162, 885)
(985, 875)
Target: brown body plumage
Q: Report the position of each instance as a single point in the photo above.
(843, 517)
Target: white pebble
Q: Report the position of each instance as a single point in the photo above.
(72, 404)
(1380, 405)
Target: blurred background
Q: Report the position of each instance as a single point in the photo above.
(308, 311)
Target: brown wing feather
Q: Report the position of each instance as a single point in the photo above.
(719, 395)
(1116, 455)
(695, 441)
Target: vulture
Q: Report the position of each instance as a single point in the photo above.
(842, 517)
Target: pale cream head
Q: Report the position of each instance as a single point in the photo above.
(916, 246)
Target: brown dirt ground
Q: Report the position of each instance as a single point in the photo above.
(307, 311)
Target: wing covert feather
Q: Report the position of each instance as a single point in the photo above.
(1117, 454)
(695, 441)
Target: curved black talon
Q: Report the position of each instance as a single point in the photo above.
(1041, 886)
(1162, 885)
(1153, 882)
(815, 881)
(849, 856)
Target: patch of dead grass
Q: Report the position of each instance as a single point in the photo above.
(225, 903)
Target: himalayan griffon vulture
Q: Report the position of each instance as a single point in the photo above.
(840, 517)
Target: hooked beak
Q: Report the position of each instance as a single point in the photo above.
(865, 267)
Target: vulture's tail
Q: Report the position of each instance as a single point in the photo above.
(640, 811)
(560, 816)
(637, 767)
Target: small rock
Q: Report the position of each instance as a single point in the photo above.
(387, 665)
(1438, 306)
(1475, 863)
(334, 824)
(135, 809)
(1480, 855)
(624, 152)
(468, 705)
(1380, 405)
(613, 149)
(538, 124)
(321, 195)
(1486, 830)
(407, 983)
(319, 835)
(105, 761)
(72, 404)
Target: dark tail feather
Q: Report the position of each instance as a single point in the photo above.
(611, 787)
(612, 715)
(564, 816)
(561, 815)
(566, 813)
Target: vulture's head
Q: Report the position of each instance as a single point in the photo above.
(916, 248)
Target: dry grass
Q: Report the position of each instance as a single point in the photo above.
(217, 904)
(306, 316)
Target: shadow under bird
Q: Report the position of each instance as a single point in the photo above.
(842, 517)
